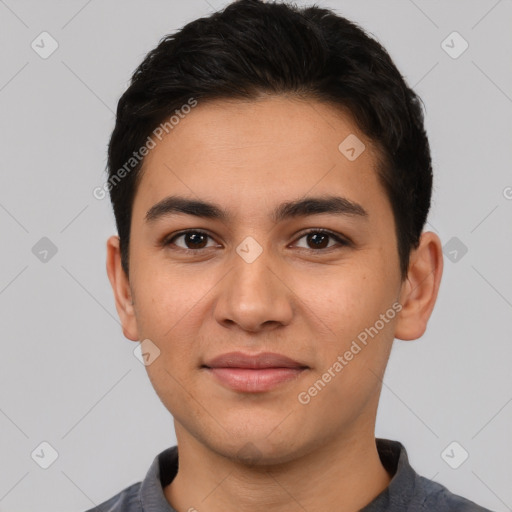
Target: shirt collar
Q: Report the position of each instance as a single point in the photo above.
(398, 494)
(393, 456)
(161, 473)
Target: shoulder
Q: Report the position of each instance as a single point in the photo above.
(412, 492)
(148, 492)
(127, 500)
(437, 497)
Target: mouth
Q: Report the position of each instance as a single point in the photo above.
(253, 373)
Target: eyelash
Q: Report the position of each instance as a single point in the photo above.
(342, 241)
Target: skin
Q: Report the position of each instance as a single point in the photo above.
(295, 299)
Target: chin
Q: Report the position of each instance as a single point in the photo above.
(259, 451)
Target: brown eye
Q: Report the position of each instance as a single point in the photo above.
(192, 240)
(319, 239)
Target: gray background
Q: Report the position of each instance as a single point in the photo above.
(67, 374)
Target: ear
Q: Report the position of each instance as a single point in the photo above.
(121, 288)
(419, 290)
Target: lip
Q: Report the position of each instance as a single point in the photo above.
(253, 361)
(253, 373)
(249, 380)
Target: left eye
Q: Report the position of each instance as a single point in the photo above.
(318, 238)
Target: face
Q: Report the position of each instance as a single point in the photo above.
(299, 281)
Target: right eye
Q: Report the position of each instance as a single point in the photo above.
(193, 240)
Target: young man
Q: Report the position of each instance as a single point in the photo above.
(271, 177)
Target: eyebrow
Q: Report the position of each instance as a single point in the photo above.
(338, 205)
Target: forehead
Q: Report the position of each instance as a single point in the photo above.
(253, 154)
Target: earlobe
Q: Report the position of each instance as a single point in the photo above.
(420, 289)
(121, 289)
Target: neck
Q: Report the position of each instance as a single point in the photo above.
(343, 475)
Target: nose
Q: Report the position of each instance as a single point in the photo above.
(254, 295)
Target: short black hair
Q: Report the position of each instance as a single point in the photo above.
(252, 48)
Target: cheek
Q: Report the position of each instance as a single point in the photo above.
(353, 351)
(166, 301)
(346, 310)
(345, 300)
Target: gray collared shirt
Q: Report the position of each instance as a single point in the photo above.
(407, 491)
